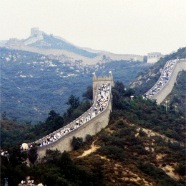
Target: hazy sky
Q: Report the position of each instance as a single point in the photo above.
(120, 26)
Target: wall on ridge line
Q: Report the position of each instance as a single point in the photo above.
(92, 127)
(161, 95)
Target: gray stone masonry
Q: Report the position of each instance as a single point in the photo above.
(92, 127)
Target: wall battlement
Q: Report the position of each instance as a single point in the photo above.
(104, 78)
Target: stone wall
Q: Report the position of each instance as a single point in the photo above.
(92, 127)
(161, 95)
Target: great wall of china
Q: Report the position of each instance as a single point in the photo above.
(91, 127)
(97, 123)
(160, 95)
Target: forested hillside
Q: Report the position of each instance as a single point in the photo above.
(13, 133)
(33, 84)
(142, 145)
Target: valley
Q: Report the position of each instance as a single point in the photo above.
(33, 84)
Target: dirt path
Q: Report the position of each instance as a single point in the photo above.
(169, 170)
(92, 149)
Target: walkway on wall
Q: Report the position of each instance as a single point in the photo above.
(102, 102)
(99, 105)
(165, 83)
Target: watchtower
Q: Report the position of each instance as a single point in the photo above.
(101, 80)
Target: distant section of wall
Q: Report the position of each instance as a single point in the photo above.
(161, 95)
(91, 127)
(153, 57)
(35, 31)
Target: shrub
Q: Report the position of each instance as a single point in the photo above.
(77, 143)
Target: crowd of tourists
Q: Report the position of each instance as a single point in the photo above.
(164, 78)
(4, 153)
(99, 105)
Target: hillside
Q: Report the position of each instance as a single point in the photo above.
(142, 145)
(130, 152)
(33, 84)
(40, 39)
(49, 41)
(137, 145)
(13, 132)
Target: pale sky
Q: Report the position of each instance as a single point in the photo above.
(119, 26)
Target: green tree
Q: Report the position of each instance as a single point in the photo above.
(77, 143)
(32, 155)
(4, 116)
(89, 93)
(129, 92)
(73, 101)
(54, 121)
(119, 86)
(181, 169)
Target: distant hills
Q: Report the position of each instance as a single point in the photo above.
(40, 39)
(39, 73)
(32, 84)
(3, 42)
(46, 44)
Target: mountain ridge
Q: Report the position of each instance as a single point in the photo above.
(50, 44)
